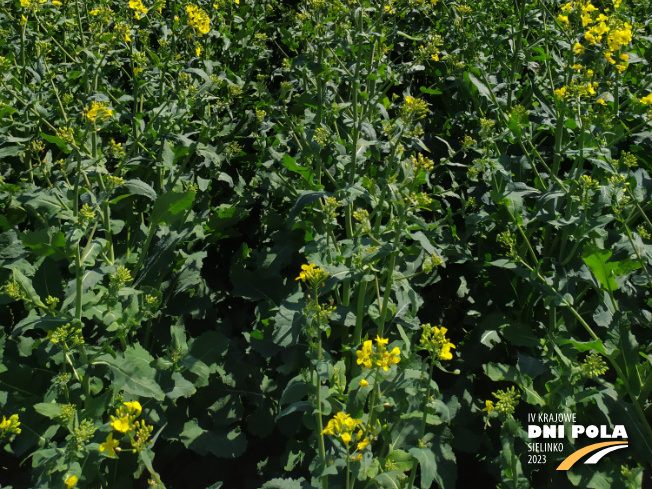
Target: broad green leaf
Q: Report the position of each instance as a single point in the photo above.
(132, 372)
(50, 410)
(596, 345)
(427, 465)
(138, 187)
(169, 205)
(399, 460)
(291, 164)
(605, 271)
(480, 85)
(182, 387)
(221, 443)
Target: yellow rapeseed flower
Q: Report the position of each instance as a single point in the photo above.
(109, 445)
(647, 100)
(138, 8)
(434, 341)
(364, 355)
(312, 274)
(71, 481)
(489, 406)
(10, 425)
(364, 383)
(341, 426)
(121, 424)
(134, 408)
(578, 48)
(378, 356)
(199, 19)
(98, 110)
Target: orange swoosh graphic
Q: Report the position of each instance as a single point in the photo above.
(575, 456)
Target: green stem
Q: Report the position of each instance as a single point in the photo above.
(318, 417)
(517, 51)
(617, 95)
(79, 25)
(359, 313)
(390, 276)
(424, 417)
(22, 52)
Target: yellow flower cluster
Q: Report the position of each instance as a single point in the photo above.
(647, 100)
(433, 339)
(342, 426)
(619, 33)
(506, 403)
(199, 19)
(377, 356)
(67, 336)
(312, 274)
(413, 109)
(98, 110)
(138, 8)
(32, 4)
(10, 425)
(125, 416)
(125, 422)
(71, 481)
(576, 90)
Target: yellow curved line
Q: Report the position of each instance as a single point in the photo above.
(575, 456)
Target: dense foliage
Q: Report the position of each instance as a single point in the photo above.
(322, 244)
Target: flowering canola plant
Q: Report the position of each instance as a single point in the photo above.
(199, 19)
(371, 355)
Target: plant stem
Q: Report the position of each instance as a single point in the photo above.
(390, 276)
(22, 52)
(318, 418)
(424, 417)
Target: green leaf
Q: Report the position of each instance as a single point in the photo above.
(490, 338)
(11, 151)
(50, 410)
(3, 340)
(519, 334)
(132, 372)
(482, 88)
(138, 187)
(399, 460)
(221, 443)
(63, 146)
(170, 205)
(427, 464)
(182, 387)
(291, 164)
(26, 286)
(282, 484)
(430, 91)
(217, 485)
(596, 345)
(204, 355)
(605, 271)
